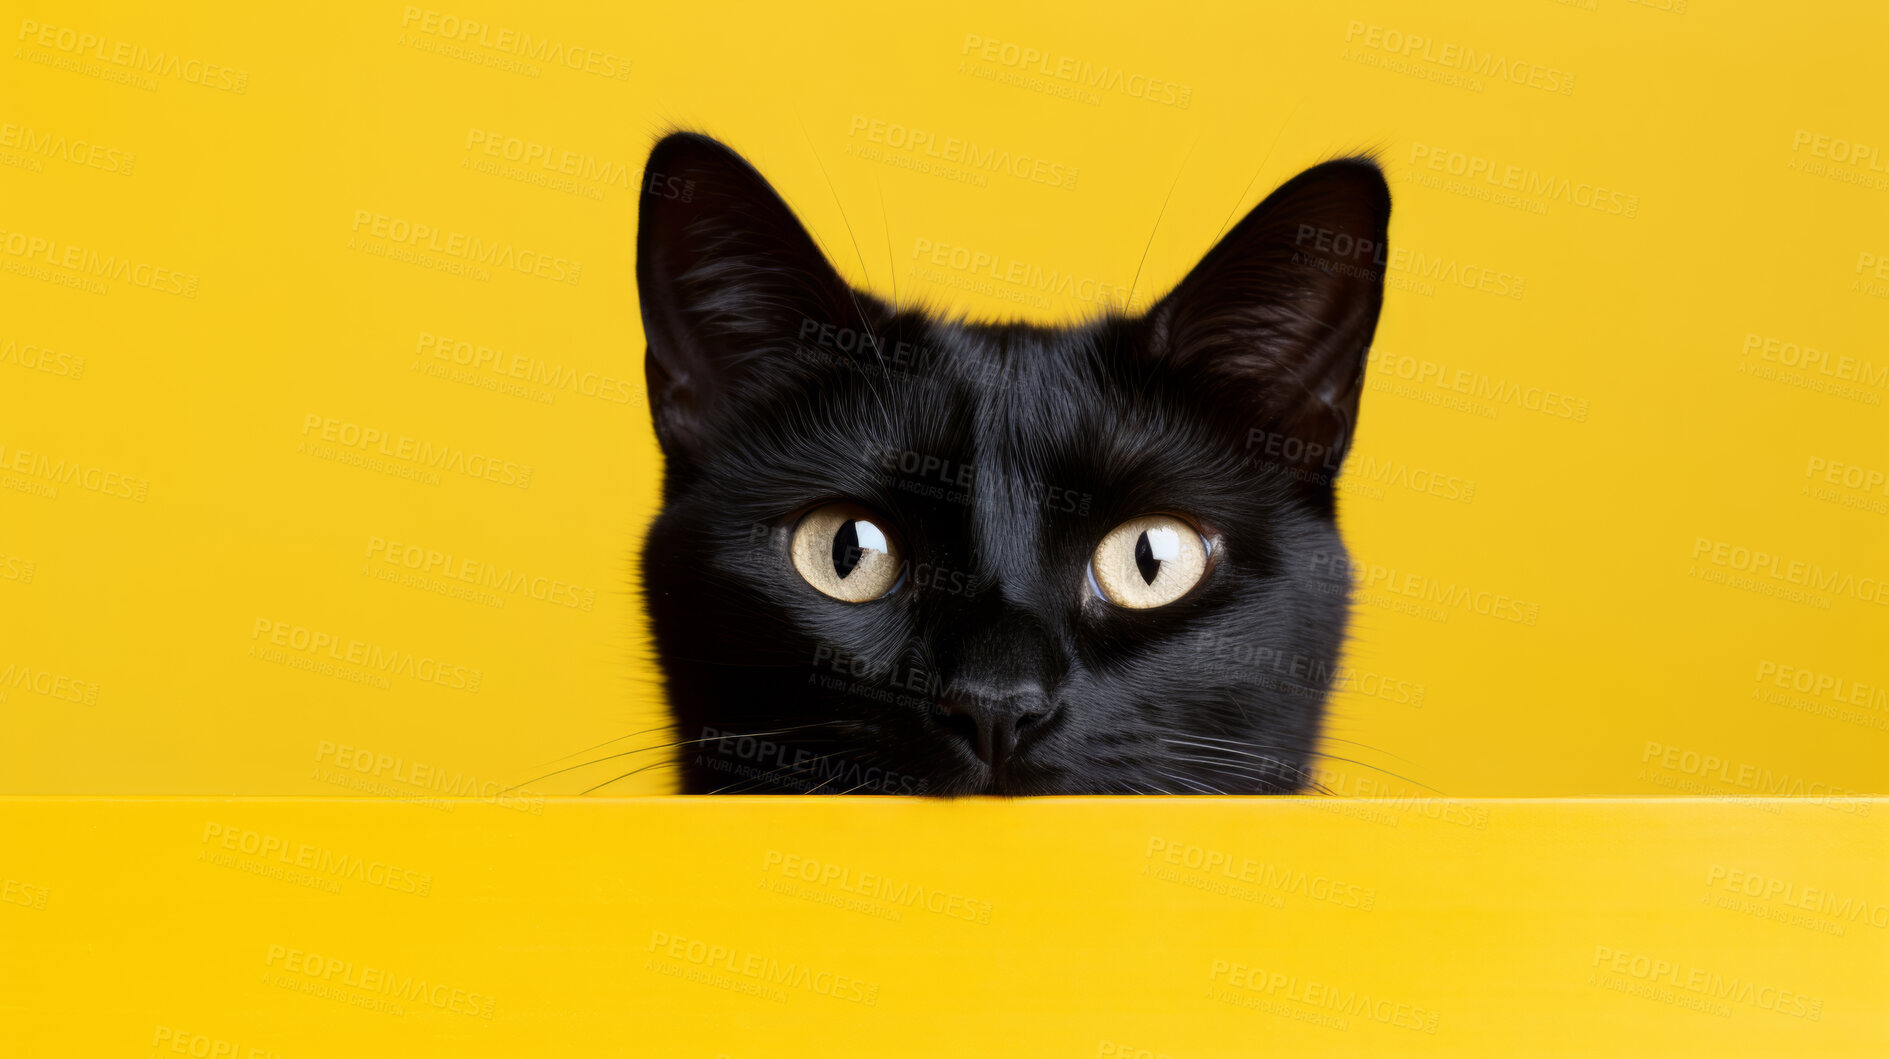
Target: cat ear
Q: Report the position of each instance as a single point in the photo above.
(1280, 312)
(727, 277)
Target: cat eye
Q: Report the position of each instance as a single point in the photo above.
(1149, 561)
(846, 552)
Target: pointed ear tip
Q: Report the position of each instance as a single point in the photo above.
(682, 145)
(1363, 169)
(1357, 178)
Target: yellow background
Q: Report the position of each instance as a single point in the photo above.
(1641, 322)
(140, 599)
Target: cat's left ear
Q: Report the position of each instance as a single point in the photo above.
(728, 277)
(1280, 313)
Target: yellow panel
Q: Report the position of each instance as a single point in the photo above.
(1620, 499)
(819, 927)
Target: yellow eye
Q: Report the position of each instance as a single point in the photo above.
(846, 552)
(1149, 561)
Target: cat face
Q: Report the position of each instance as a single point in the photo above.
(904, 554)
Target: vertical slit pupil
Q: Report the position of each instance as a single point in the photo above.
(1144, 559)
(846, 550)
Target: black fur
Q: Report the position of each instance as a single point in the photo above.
(1000, 454)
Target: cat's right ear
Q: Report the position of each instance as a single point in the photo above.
(1280, 313)
(727, 277)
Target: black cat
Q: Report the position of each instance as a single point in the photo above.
(906, 554)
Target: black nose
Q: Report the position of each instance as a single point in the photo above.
(993, 723)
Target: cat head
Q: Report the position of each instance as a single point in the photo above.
(900, 553)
